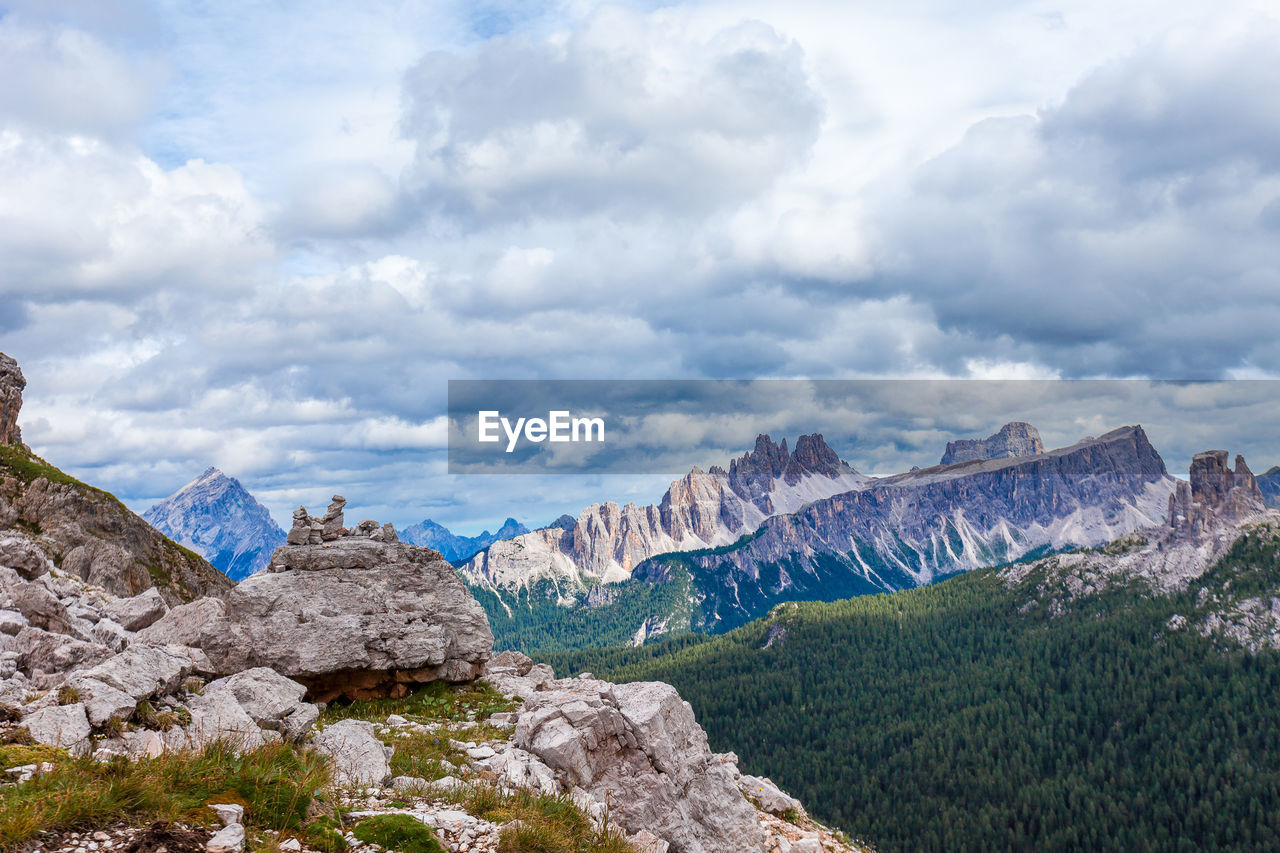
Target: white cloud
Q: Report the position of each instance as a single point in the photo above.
(80, 217)
(625, 112)
(67, 80)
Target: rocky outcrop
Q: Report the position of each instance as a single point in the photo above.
(700, 510)
(638, 748)
(1012, 440)
(215, 516)
(86, 531)
(359, 616)
(634, 753)
(90, 534)
(70, 670)
(1217, 496)
(12, 382)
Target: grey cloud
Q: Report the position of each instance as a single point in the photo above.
(1121, 232)
(626, 113)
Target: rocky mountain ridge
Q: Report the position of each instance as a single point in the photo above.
(910, 529)
(700, 510)
(215, 516)
(1013, 439)
(1205, 518)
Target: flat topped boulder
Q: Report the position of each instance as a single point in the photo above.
(357, 616)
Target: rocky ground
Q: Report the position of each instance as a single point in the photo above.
(96, 689)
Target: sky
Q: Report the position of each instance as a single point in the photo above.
(264, 236)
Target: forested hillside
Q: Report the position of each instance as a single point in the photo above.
(963, 716)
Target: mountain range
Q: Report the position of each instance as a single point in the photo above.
(723, 547)
(453, 547)
(1118, 697)
(216, 516)
(701, 510)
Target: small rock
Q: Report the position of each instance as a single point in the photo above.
(229, 813)
(291, 844)
(229, 839)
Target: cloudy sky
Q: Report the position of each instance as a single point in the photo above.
(264, 235)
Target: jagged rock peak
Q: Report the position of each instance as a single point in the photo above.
(752, 475)
(1016, 438)
(12, 382)
(1216, 494)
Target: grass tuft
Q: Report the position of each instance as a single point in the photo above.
(276, 783)
(437, 701)
(398, 832)
(540, 822)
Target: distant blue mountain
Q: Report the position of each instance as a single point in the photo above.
(216, 517)
(458, 548)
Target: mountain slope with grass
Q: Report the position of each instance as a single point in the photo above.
(89, 533)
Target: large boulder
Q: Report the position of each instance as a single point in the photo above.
(359, 759)
(139, 611)
(355, 616)
(638, 749)
(271, 700)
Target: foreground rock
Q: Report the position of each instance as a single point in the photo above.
(638, 748)
(359, 615)
(72, 670)
(359, 758)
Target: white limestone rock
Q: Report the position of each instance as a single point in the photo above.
(639, 748)
(352, 616)
(65, 726)
(271, 700)
(359, 758)
(138, 612)
(770, 797)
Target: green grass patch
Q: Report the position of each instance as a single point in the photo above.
(437, 701)
(398, 832)
(423, 755)
(276, 783)
(15, 755)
